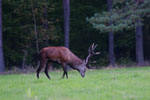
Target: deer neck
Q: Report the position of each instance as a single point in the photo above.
(76, 65)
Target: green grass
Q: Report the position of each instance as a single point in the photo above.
(105, 84)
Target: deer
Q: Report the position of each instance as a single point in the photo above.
(65, 57)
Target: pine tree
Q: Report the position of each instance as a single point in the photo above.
(122, 17)
(125, 15)
(111, 38)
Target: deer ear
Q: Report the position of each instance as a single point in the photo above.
(97, 53)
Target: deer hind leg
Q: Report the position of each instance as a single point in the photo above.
(65, 70)
(42, 64)
(48, 65)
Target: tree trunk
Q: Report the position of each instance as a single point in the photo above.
(139, 45)
(111, 50)
(2, 65)
(45, 24)
(139, 41)
(35, 31)
(111, 39)
(66, 6)
(24, 59)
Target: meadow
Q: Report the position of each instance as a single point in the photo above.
(103, 84)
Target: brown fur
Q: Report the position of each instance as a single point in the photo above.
(61, 55)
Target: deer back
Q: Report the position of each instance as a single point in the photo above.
(60, 54)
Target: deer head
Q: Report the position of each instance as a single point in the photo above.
(84, 65)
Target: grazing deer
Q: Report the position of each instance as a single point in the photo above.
(65, 57)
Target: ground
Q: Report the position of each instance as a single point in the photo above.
(104, 84)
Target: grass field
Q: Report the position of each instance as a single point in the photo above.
(104, 84)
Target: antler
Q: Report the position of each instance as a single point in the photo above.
(91, 52)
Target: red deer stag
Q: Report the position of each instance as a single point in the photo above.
(65, 57)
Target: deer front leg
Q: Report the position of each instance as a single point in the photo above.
(64, 65)
(42, 64)
(48, 65)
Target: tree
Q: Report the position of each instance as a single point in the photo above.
(111, 38)
(45, 23)
(139, 45)
(124, 16)
(66, 6)
(2, 66)
(139, 41)
(18, 27)
(45, 20)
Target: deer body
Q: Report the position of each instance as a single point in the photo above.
(63, 56)
(60, 55)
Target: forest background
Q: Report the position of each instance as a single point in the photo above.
(21, 33)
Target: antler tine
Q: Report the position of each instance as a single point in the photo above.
(90, 53)
(92, 46)
(96, 52)
(95, 46)
(89, 50)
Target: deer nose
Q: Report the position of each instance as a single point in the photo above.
(83, 75)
